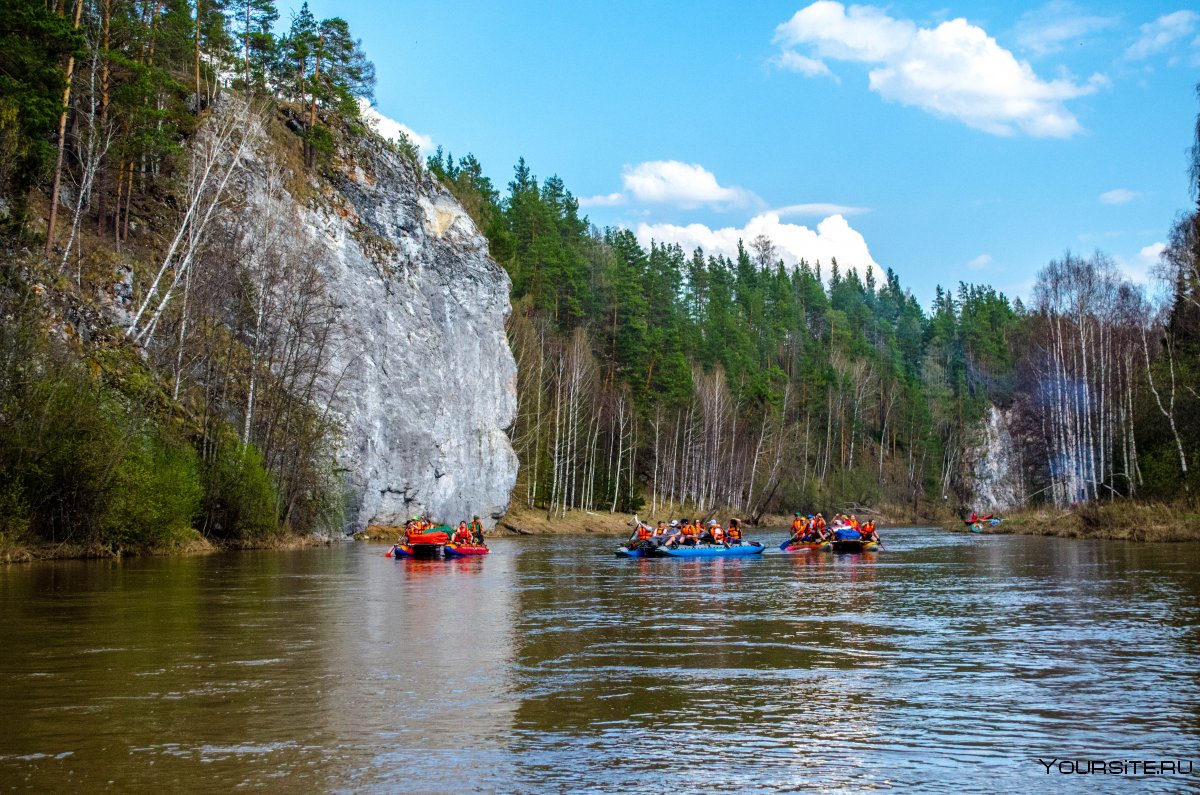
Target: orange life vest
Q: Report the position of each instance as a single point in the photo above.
(718, 534)
(735, 534)
(688, 530)
(797, 525)
(643, 532)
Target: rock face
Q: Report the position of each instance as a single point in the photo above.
(996, 483)
(426, 380)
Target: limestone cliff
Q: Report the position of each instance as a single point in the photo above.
(426, 380)
(995, 481)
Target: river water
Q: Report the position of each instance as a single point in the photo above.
(946, 663)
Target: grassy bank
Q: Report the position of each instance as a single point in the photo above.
(195, 544)
(1122, 520)
(521, 520)
(524, 521)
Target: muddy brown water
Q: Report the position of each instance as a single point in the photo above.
(946, 663)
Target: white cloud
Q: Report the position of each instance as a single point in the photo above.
(833, 237)
(809, 67)
(821, 209)
(603, 200)
(1118, 196)
(953, 70)
(1138, 271)
(681, 184)
(1161, 34)
(980, 262)
(1045, 30)
(391, 129)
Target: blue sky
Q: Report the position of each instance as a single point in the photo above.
(971, 141)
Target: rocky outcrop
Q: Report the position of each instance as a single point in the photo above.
(425, 378)
(996, 481)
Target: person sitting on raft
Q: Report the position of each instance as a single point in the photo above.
(713, 534)
(641, 533)
(686, 535)
(867, 531)
(462, 534)
(733, 535)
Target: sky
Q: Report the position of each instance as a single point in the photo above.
(974, 141)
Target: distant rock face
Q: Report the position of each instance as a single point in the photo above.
(427, 382)
(996, 482)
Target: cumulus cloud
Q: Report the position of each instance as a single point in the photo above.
(684, 185)
(391, 129)
(1162, 34)
(954, 70)
(1045, 30)
(603, 200)
(833, 237)
(1118, 196)
(980, 262)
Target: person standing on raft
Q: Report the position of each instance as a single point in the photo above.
(799, 528)
(476, 528)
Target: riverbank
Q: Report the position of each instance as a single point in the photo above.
(191, 544)
(1119, 521)
(522, 520)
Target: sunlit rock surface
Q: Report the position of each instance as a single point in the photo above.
(996, 482)
(425, 378)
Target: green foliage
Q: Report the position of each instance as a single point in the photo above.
(239, 498)
(81, 462)
(34, 45)
(157, 491)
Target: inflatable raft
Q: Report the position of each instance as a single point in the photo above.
(465, 550)
(712, 550)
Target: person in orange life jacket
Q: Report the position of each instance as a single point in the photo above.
(476, 528)
(689, 532)
(868, 531)
(799, 527)
(853, 521)
(640, 533)
(713, 534)
(462, 535)
(734, 534)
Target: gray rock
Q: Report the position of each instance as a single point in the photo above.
(427, 382)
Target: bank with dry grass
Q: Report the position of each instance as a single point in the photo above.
(1122, 520)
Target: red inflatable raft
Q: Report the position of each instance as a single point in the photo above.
(463, 550)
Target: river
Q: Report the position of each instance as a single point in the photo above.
(946, 663)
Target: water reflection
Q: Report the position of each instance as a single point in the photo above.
(945, 663)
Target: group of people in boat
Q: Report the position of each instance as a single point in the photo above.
(467, 533)
(813, 529)
(687, 532)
